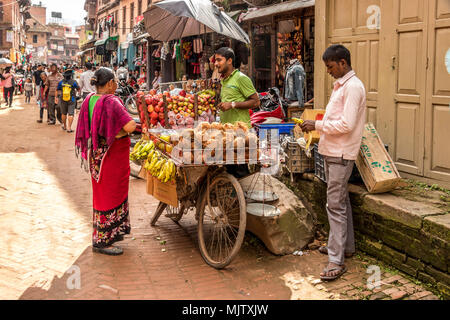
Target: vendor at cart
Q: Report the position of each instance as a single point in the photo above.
(238, 94)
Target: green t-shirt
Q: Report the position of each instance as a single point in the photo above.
(237, 87)
(92, 101)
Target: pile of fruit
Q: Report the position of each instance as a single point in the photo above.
(200, 145)
(180, 108)
(160, 167)
(142, 149)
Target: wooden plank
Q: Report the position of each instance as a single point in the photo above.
(376, 167)
(166, 117)
(147, 118)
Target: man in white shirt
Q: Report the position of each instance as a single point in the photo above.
(122, 72)
(85, 81)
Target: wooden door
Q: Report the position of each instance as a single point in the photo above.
(409, 92)
(437, 119)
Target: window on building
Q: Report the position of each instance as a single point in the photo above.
(139, 8)
(1, 11)
(124, 19)
(116, 16)
(67, 53)
(149, 2)
(73, 52)
(56, 32)
(35, 38)
(1, 37)
(131, 16)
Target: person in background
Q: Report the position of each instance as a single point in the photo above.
(37, 80)
(67, 91)
(122, 72)
(341, 132)
(8, 87)
(115, 67)
(28, 86)
(85, 81)
(43, 98)
(51, 86)
(156, 80)
(104, 120)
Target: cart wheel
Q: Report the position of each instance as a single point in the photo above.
(222, 221)
(175, 213)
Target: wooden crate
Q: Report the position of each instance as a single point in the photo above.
(165, 192)
(376, 167)
(149, 183)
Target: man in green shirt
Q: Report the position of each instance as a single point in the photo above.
(238, 94)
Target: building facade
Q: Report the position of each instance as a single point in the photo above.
(12, 29)
(38, 35)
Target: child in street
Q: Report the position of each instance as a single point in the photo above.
(28, 86)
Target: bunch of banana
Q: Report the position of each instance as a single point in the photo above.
(160, 167)
(141, 149)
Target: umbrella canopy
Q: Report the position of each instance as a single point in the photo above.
(5, 62)
(174, 19)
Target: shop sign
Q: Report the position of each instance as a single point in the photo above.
(60, 48)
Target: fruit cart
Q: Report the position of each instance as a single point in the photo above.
(207, 189)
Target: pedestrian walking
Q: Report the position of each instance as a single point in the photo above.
(38, 81)
(340, 138)
(43, 98)
(67, 91)
(53, 103)
(104, 120)
(28, 86)
(8, 86)
(85, 81)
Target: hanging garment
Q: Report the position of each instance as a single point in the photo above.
(198, 45)
(164, 50)
(294, 82)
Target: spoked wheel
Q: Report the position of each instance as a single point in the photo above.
(175, 213)
(131, 106)
(222, 221)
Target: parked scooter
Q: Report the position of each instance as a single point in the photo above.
(128, 95)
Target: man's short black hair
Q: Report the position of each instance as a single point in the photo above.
(88, 65)
(336, 53)
(226, 52)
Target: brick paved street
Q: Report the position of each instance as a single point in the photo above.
(45, 218)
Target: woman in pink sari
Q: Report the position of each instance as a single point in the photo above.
(102, 139)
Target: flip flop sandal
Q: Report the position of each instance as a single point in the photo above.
(69, 131)
(324, 250)
(112, 251)
(342, 269)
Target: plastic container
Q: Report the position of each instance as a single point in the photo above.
(283, 128)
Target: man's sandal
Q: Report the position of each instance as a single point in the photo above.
(324, 250)
(342, 269)
(112, 251)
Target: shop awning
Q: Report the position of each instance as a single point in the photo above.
(278, 8)
(100, 42)
(142, 36)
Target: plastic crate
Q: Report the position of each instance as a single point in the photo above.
(296, 160)
(283, 128)
(319, 167)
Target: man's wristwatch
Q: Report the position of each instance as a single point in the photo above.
(233, 105)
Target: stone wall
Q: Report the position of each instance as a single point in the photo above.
(413, 237)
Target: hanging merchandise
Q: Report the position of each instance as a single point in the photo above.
(165, 50)
(187, 50)
(198, 45)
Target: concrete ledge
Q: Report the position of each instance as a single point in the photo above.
(412, 236)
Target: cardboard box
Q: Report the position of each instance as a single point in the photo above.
(165, 192)
(312, 114)
(374, 163)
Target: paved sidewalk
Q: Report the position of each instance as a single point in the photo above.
(45, 215)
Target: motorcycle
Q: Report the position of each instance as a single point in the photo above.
(272, 106)
(128, 96)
